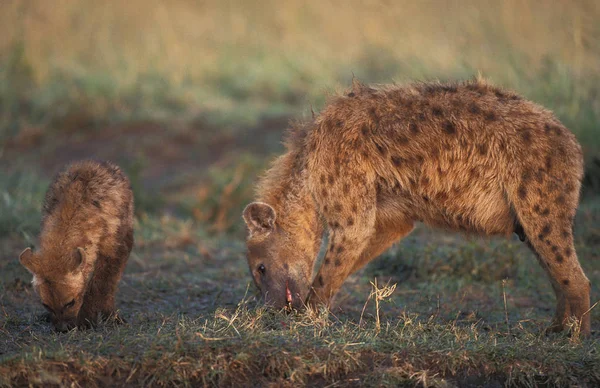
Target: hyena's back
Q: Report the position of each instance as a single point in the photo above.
(464, 156)
(90, 203)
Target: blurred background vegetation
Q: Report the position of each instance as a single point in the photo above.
(192, 97)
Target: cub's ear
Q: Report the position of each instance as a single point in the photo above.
(260, 218)
(27, 260)
(77, 258)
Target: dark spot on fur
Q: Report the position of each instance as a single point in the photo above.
(338, 262)
(474, 108)
(526, 136)
(425, 198)
(413, 127)
(337, 207)
(330, 179)
(96, 203)
(380, 149)
(441, 196)
(546, 229)
(437, 111)
(554, 249)
(323, 179)
(482, 149)
(350, 221)
(354, 208)
(335, 225)
(449, 127)
(325, 208)
(346, 188)
(397, 161)
(321, 282)
(340, 249)
(566, 282)
(351, 94)
(536, 208)
(565, 233)
(327, 261)
(424, 181)
(473, 173)
(332, 247)
(522, 192)
(402, 139)
(422, 117)
(324, 195)
(548, 127)
(568, 252)
(560, 200)
(339, 123)
(559, 258)
(365, 130)
(569, 187)
(491, 116)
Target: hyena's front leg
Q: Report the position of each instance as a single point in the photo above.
(343, 252)
(350, 213)
(99, 302)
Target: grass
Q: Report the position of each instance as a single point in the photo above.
(465, 311)
(191, 99)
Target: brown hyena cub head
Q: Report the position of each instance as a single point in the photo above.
(60, 289)
(280, 264)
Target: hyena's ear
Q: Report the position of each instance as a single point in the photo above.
(77, 258)
(28, 260)
(260, 217)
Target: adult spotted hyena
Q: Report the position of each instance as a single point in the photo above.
(85, 241)
(467, 156)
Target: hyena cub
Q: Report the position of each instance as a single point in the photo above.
(465, 156)
(85, 241)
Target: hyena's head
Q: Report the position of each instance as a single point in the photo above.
(60, 284)
(281, 262)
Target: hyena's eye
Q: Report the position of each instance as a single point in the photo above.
(70, 304)
(262, 269)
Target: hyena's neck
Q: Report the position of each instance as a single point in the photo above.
(285, 189)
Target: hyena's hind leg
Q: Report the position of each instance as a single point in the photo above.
(548, 226)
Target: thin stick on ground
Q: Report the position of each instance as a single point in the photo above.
(505, 306)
